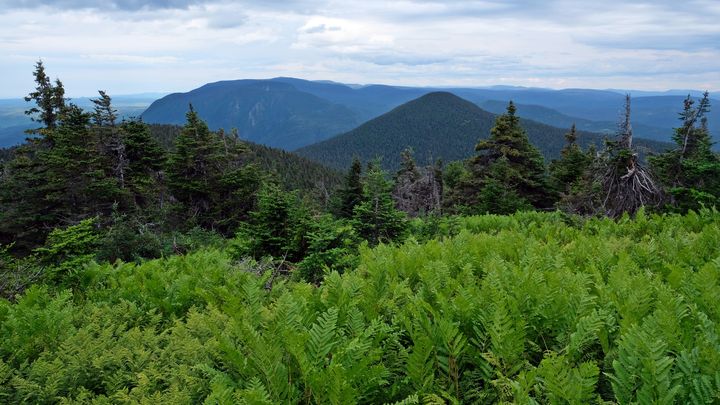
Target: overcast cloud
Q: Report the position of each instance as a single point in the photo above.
(132, 46)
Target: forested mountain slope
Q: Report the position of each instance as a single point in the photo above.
(290, 113)
(555, 118)
(294, 171)
(438, 125)
(268, 112)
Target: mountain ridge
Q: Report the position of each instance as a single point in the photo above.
(438, 125)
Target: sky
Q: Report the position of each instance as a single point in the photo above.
(133, 46)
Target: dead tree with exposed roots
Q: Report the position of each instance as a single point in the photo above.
(617, 182)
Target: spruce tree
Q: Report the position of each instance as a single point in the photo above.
(145, 162)
(193, 170)
(376, 219)
(690, 172)
(207, 174)
(49, 98)
(571, 166)
(509, 166)
(351, 194)
(276, 226)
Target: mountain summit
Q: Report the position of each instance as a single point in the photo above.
(438, 125)
(269, 112)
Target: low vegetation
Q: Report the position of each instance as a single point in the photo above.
(522, 308)
(151, 264)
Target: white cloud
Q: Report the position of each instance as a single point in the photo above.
(171, 45)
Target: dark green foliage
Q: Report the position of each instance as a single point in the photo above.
(145, 161)
(49, 98)
(572, 165)
(351, 193)
(331, 246)
(17, 274)
(512, 309)
(276, 227)
(292, 171)
(691, 171)
(507, 175)
(127, 238)
(67, 251)
(25, 213)
(376, 219)
(76, 170)
(438, 125)
(207, 175)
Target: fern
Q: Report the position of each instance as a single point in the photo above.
(254, 394)
(643, 371)
(420, 369)
(323, 336)
(564, 383)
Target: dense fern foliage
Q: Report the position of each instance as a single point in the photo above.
(528, 308)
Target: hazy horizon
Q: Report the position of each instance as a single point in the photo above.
(158, 94)
(165, 46)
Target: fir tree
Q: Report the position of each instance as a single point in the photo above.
(49, 98)
(351, 194)
(690, 172)
(376, 219)
(520, 175)
(276, 225)
(193, 168)
(207, 175)
(571, 166)
(104, 114)
(145, 162)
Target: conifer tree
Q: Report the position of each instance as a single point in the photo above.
(104, 113)
(351, 194)
(376, 219)
(193, 168)
(144, 154)
(617, 182)
(509, 166)
(571, 166)
(207, 175)
(691, 172)
(49, 98)
(77, 181)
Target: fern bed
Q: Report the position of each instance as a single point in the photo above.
(523, 309)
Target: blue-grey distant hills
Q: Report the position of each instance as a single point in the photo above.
(438, 125)
(269, 112)
(14, 122)
(291, 113)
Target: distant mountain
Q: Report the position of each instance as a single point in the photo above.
(272, 113)
(436, 125)
(290, 113)
(648, 112)
(14, 122)
(13, 135)
(557, 119)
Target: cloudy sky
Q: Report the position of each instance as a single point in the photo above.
(132, 46)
